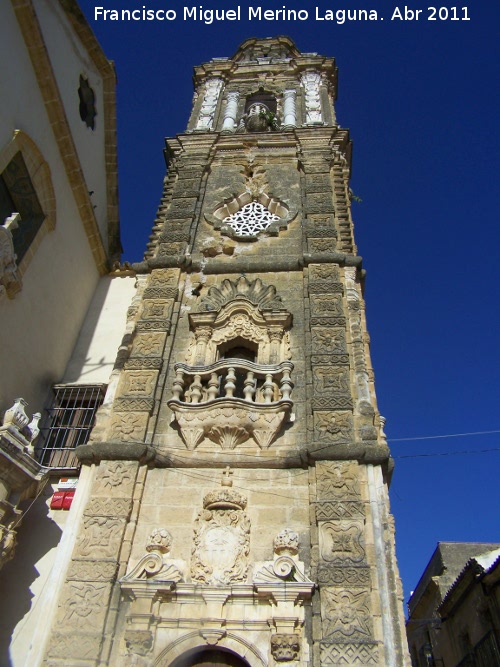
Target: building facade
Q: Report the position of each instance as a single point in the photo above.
(232, 506)
(62, 311)
(454, 612)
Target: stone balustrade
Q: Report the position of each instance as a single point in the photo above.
(231, 401)
(233, 379)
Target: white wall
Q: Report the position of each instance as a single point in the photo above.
(40, 326)
(102, 331)
(69, 59)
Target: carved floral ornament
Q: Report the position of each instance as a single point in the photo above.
(229, 400)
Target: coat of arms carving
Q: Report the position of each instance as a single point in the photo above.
(221, 539)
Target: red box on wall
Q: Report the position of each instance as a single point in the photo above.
(68, 499)
(57, 500)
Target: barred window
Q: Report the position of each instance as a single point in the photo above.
(70, 420)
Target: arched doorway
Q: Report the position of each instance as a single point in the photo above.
(209, 657)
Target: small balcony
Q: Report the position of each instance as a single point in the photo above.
(231, 401)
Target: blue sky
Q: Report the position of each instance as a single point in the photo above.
(421, 101)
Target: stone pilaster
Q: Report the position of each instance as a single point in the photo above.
(83, 607)
(346, 606)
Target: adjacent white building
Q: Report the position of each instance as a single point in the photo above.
(62, 306)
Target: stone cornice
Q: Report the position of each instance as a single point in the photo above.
(230, 69)
(240, 265)
(42, 67)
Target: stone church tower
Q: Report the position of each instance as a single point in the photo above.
(233, 505)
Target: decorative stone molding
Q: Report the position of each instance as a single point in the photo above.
(231, 400)
(344, 576)
(286, 566)
(83, 606)
(289, 109)
(83, 646)
(20, 471)
(128, 426)
(328, 340)
(213, 637)
(100, 537)
(209, 104)
(115, 479)
(137, 383)
(254, 210)
(229, 420)
(348, 654)
(255, 291)
(358, 346)
(250, 220)
(339, 510)
(337, 481)
(334, 427)
(91, 570)
(285, 647)
(244, 217)
(148, 344)
(155, 565)
(159, 540)
(10, 280)
(342, 542)
(326, 305)
(230, 112)
(311, 81)
(286, 542)
(346, 615)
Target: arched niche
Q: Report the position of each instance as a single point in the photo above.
(253, 386)
(211, 656)
(186, 651)
(239, 321)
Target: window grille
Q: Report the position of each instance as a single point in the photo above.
(70, 420)
(251, 219)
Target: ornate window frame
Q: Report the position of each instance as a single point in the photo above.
(255, 397)
(277, 208)
(41, 180)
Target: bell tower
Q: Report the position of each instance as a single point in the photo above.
(234, 499)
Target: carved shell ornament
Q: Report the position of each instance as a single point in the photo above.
(255, 291)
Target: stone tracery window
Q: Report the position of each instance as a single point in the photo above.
(251, 213)
(251, 219)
